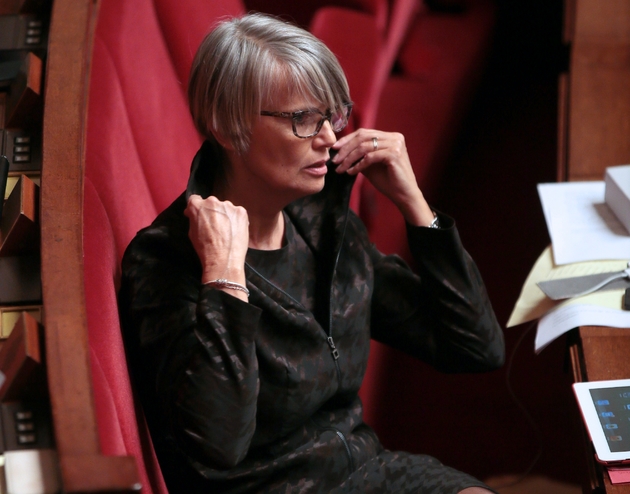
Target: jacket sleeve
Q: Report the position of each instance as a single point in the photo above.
(442, 314)
(192, 351)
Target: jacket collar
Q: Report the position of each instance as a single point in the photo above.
(319, 218)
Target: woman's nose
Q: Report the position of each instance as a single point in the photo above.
(326, 134)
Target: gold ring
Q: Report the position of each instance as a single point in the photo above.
(375, 143)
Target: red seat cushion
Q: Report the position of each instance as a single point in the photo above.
(140, 142)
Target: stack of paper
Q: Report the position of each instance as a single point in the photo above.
(581, 225)
(587, 238)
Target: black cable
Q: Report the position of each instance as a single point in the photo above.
(524, 410)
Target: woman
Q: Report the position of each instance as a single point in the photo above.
(249, 303)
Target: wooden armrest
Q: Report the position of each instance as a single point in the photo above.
(83, 466)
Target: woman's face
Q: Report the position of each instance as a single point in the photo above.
(280, 165)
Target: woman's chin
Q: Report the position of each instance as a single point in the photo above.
(310, 187)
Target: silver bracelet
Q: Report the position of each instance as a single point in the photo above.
(223, 283)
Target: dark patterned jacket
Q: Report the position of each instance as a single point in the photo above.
(261, 396)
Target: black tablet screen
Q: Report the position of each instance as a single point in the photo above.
(613, 409)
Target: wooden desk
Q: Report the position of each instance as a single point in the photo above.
(594, 124)
(600, 353)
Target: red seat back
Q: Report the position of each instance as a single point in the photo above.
(140, 143)
(184, 25)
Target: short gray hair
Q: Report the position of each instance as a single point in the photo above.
(241, 63)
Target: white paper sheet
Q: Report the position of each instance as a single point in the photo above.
(581, 226)
(564, 318)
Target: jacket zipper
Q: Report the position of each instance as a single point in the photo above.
(331, 342)
(346, 446)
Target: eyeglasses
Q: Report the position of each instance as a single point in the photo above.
(308, 123)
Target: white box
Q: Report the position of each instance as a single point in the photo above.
(617, 193)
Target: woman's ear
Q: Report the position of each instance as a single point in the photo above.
(223, 141)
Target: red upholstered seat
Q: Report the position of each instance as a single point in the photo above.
(358, 54)
(138, 114)
(184, 24)
(140, 142)
(366, 36)
(122, 430)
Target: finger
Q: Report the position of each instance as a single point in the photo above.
(194, 198)
(214, 205)
(343, 140)
(349, 163)
(357, 156)
(241, 214)
(361, 134)
(191, 208)
(369, 160)
(347, 143)
(350, 154)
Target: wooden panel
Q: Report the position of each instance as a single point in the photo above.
(99, 474)
(19, 226)
(605, 352)
(83, 467)
(4, 171)
(607, 20)
(600, 88)
(23, 107)
(3, 108)
(19, 6)
(10, 316)
(19, 358)
(568, 24)
(562, 168)
(10, 6)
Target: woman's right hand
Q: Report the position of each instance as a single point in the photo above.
(219, 232)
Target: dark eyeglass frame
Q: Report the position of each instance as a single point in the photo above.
(296, 114)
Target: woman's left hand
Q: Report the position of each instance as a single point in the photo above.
(382, 157)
